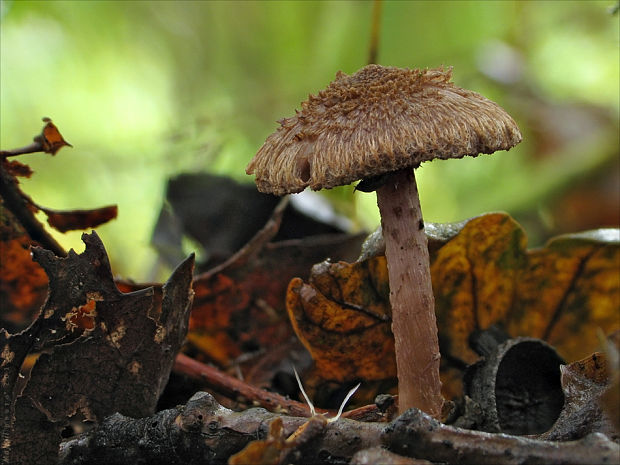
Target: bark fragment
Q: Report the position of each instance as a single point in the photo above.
(202, 431)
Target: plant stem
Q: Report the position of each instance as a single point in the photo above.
(411, 295)
(375, 32)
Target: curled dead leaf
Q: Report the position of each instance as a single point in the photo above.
(71, 220)
(50, 138)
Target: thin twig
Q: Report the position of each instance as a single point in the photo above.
(234, 388)
(375, 32)
(31, 148)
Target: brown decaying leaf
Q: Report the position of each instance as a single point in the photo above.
(71, 220)
(17, 169)
(239, 308)
(101, 351)
(344, 320)
(482, 276)
(23, 284)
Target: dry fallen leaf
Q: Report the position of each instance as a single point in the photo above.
(344, 320)
(239, 307)
(70, 220)
(23, 283)
(100, 351)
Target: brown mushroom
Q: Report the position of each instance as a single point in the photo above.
(386, 121)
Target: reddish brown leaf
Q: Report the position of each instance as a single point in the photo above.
(71, 220)
(17, 169)
(239, 306)
(23, 283)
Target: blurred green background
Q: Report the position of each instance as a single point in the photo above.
(146, 90)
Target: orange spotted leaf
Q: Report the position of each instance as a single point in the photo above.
(343, 319)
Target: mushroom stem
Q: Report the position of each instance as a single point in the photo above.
(411, 295)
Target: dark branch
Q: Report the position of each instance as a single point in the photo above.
(203, 431)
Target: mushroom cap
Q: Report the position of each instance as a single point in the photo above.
(377, 120)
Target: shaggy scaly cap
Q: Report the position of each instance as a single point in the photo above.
(378, 120)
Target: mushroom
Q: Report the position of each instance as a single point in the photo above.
(379, 124)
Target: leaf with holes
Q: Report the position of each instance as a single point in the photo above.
(99, 351)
